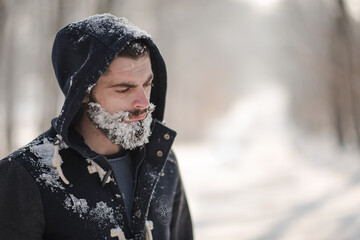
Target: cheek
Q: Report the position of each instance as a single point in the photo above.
(111, 102)
(114, 106)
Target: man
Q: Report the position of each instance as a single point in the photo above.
(105, 169)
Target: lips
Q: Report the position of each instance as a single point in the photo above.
(138, 117)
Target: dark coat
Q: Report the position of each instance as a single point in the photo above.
(36, 202)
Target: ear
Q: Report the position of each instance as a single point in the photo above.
(86, 99)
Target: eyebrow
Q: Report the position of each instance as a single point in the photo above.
(130, 85)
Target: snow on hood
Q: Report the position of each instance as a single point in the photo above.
(81, 53)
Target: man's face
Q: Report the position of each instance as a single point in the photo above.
(125, 86)
(119, 103)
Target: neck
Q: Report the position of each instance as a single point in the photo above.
(94, 138)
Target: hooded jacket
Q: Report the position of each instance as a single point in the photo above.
(56, 187)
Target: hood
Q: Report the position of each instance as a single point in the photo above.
(83, 50)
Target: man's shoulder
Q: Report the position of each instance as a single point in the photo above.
(20, 155)
(36, 159)
(29, 155)
(18, 165)
(26, 150)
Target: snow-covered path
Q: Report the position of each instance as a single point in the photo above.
(258, 178)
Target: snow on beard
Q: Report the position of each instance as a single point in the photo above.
(129, 135)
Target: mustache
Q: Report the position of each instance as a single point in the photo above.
(139, 112)
(122, 115)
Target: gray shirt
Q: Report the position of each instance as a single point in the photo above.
(123, 168)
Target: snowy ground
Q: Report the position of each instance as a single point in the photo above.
(258, 178)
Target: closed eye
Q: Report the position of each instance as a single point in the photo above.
(149, 84)
(123, 91)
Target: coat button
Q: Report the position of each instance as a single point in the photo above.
(120, 216)
(138, 213)
(166, 136)
(159, 153)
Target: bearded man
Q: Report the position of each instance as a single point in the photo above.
(105, 169)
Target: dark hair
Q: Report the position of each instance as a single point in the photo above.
(135, 49)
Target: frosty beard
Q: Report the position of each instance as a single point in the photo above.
(128, 135)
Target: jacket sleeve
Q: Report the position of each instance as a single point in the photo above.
(21, 209)
(181, 225)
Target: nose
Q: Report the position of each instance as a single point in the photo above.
(142, 99)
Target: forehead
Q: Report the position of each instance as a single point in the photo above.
(126, 70)
(128, 66)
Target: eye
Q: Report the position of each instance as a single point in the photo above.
(122, 90)
(149, 84)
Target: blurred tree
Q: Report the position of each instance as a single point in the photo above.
(105, 6)
(7, 63)
(47, 30)
(3, 146)
(344, 93)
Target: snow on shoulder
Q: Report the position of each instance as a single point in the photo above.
(49, 175)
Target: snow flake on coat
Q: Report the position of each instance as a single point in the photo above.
(49, 175)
